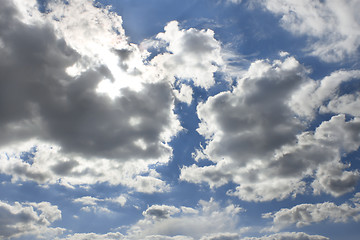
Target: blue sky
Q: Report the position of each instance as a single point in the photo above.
(179, 120)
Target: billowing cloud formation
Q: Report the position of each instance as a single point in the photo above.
(81, 100)
(312, 95)
(289, 235)
(29, 218)
(46, 164)
(333, 26)
(258, 138)
(169, 222)
(306, 214)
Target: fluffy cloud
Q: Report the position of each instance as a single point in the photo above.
(158, 212)
(306, 214)
(191, 54)
(46, 164)
(333, 26)
(312, 95)
(82, 108)
(169, 222)
(24, 219)
(258, 138)
(289, 235)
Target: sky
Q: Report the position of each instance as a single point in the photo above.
(179, 120)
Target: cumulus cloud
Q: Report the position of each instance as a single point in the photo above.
(81, 102)
(289, 235)
(333, 27)
(42, 162)
(169, 222)
(25, 219)
(312, 95)
(191, 54)
(158, 212)
(306, 214)
(258, 138)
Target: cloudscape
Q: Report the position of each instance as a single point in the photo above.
(179, 120)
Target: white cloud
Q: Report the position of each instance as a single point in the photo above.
(312, 95)
(120, 200)
(333, 26)
(184, 94)
(257, 135)
(87, 200)
(99, 205)
(289, 235)
(347, 103)
(307, 214)
(160, 237)
(25, 219)
(222, 236)
(191, 54)
(169, 222)
(48, 164)
(94, 236)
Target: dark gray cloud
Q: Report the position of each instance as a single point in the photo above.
(65, 167)
(159, 212)
(39, 99)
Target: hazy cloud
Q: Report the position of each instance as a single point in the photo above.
(94, 236)
(289, 235)
(333, 27)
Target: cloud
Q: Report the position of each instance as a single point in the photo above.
(307, 214)
(93, 236)
(289, 235)
(98, 205)
(87, 200)
(84, 101)
(312, 95)
(333, 27)
(158, 212)
(191, 54)
(347, 103)
(171, 222)
(184, 94)
(42, 160)
(222, 236)
(257, 135)
(24, 219)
